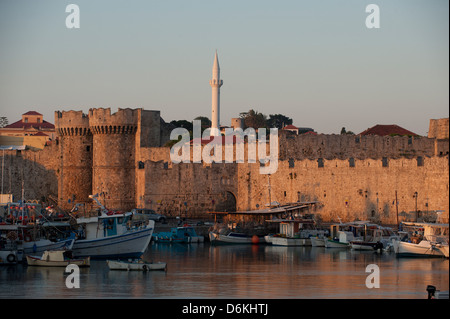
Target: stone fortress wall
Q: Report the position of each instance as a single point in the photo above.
(121, 155)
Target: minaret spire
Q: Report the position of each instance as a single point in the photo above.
(215, 83)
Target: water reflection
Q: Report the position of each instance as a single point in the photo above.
(237, 271)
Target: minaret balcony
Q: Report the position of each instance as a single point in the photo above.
(215, 82)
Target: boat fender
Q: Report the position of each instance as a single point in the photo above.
(144, 268)
(11, 258)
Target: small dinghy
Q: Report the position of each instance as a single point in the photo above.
(57, 258)
(138, 264)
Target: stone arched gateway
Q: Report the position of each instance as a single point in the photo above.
(226, 202)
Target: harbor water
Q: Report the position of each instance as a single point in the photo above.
(238, 271)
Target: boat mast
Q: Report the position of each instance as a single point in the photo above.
(23, 208)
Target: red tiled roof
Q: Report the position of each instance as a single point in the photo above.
(20, 124)
(32, 113)
(384, 130)
(290, 127)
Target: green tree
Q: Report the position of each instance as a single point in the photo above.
(278, 121)
(254, 119)
(345, 132)
(182, 123)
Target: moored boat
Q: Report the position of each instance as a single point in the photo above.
(423, 240)
(318, 241)
(293, 232)
(234, 238)
(112, 235)
(57, 258)
(372, 237)
(335, 243)
(35, 238)
(185, 234)
(135, 265)
(340, 236)
(8, 254)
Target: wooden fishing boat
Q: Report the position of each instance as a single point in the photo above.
(135, 265)
(235, 238)
(57, 258)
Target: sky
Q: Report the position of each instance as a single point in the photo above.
(314, 61)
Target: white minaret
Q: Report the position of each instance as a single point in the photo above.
(215, 83)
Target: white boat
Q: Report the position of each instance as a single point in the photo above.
(340, 237)
(29, 239)
(112, 235)
(234, 238)
(135, 265)
(318, 241)
(39, 246)
(57, 258)
(423, 240)
(293, 232)
(8, 256)
(333, 243)
(372, 237)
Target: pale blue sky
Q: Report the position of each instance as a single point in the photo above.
(314, 61)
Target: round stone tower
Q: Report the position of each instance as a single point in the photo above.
(113, 162)
(75, 147)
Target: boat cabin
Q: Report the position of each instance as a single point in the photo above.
(293, 227)
(103, 226)
(56, 255)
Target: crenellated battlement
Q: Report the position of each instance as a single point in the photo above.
(72, 123)
(123, 117)
(333, 146)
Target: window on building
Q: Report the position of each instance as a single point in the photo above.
(291, 163)
(419, 161)
(26, 120)
(385, 162)
(351, 162)
(320, 162)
